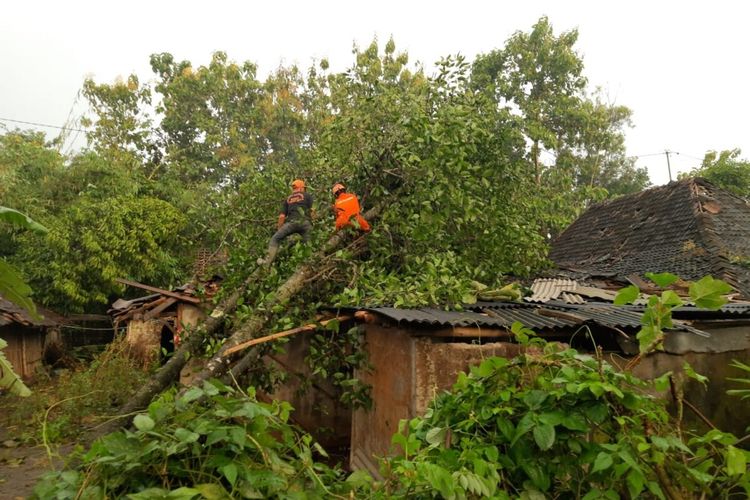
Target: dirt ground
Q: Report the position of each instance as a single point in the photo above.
(22, 465)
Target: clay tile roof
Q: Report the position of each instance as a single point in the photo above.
(690, 228)
(11, 313)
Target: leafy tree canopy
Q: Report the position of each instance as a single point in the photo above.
(477, 165)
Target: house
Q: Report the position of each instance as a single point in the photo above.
(28, 337)
(417, 353)
(157, 321)
(689, 228)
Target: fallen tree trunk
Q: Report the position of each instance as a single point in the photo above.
(220, 363)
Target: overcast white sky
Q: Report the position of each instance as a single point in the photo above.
(681, 66)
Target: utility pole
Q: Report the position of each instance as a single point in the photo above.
(669, 167)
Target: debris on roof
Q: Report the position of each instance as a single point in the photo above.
(151, 306)
(690, 228)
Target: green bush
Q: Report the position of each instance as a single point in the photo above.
(210, 442)
(560, 423)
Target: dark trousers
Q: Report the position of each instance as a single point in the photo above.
(303, 228)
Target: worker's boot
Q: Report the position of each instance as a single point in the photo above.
(270, 257)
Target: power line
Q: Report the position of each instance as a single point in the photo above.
(643, 156)
(42, 125)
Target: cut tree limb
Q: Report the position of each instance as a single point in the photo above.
(306, 328)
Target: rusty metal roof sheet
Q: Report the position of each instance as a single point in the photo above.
(534, 316)
(437, 317)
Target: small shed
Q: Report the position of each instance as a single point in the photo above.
(27, 337)
(418, 353)
(158, 321)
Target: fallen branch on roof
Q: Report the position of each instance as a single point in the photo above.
(286, 333)
(180, 296)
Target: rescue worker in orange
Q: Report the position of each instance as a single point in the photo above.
(346, 207)
(295, 218)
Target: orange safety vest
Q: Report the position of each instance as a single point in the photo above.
(346, 207)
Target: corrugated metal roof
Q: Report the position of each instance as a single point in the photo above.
(732, 309)
(546, 289)
(503, 319)
(504, 314)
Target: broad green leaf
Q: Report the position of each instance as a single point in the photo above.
(436, 435)
(627, 295)
(544, 435)
(21, 220)
(661, 383)
(693, 374)
(663, 280)
(603, 461)
(186, 436)
(15, 289)
(143, 422)
(671, 299)
(230, 472)
(708, 292)
(213, 491)
(736, 461)
(9, 381)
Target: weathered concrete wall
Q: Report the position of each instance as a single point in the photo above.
(317, 408)
(437, 365)
(722, 339)
(25, 348)
(144, 339)
(728, 413)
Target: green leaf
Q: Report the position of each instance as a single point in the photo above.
(436, 435)
(186, 436)
(143, 422)
(708, 292)
(693, 374)
(469, 298)
(230, 472)
(9, 380)
(15, 289)
(736, 461)
(544, 435)
(627, 295)
(671, 299)
(603, 461)
(663, 280)
(212, 491)
(17, 218)
(661, 383)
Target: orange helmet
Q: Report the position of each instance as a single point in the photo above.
(336, 188)
(298, 184)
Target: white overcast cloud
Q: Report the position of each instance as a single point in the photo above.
(682, 67)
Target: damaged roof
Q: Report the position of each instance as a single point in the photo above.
(11, 313)
(690, 228)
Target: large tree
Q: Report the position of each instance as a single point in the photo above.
(728, 170)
